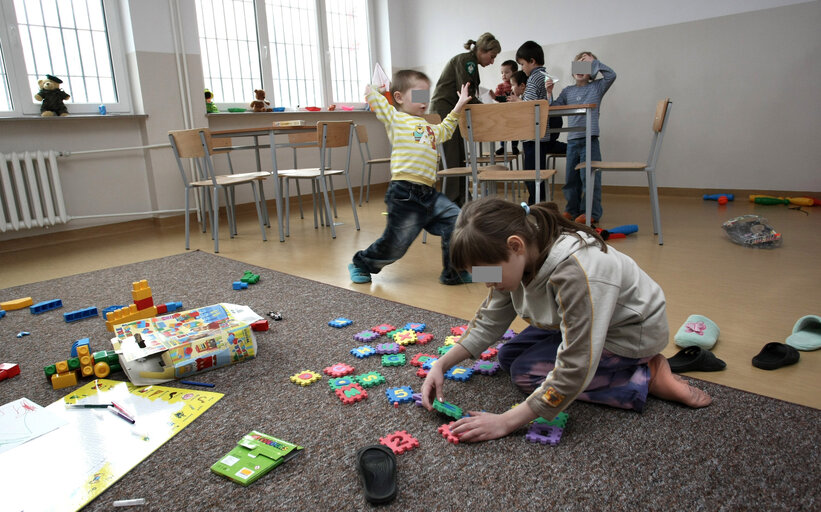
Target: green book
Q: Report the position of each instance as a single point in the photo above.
(255, 454)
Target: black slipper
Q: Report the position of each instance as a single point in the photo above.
(695, 359)
(376, 465)
(775, 355)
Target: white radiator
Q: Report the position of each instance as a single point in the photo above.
(30, 191)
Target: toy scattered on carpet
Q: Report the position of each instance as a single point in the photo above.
(618, 231)
(210, 106)
(305, 377)
(752, 231)
(340, 322)
(260, 104)
(400, 442)
(52, 97)
(82, 363)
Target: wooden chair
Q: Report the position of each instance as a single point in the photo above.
(335, 134)
(195, 145)
(659, 127)
(367, 159)
(503, 122)
(224, 146)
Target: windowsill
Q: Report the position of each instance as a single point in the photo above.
(69, 117)
(291, 112)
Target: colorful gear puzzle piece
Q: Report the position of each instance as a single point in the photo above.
(406, 337)
(393, 360)
(421, 373)
(544, 434)
(486, 367)
(402, 395)
(423, 338)
(447, 434)
(421, 358)
(417, 399)
(459, 330)
(363, 351)
(559, 421)
(340, 382)
(383, 329)
(413, 326)
(365, 336)
(448, 409)
(444, 349)
(400, 442)
(339, 370)
(509, 335)
(340, 322)
(459, 373)
(370, 379)
(427, 365)
(389, 348)
(305, 378)
(488, 354)
(351, 393)
(452, 340)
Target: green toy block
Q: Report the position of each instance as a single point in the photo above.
(393, 360)
(49, 371)
(249, 277)
(448, 409)
(74, 363)
(559, 421)
(370, 379)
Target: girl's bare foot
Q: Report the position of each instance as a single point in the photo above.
(669, 386)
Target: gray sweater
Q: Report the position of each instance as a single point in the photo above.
(590, 93)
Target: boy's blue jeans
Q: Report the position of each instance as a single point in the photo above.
(574, 186)
(529, 152)
(411, 208)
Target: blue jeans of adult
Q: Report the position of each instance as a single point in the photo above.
(529, 153)
(574, 186)
(412, 207)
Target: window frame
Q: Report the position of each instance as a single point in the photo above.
(22, 93)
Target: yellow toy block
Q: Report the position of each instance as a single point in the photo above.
(82, 350)
(86, 364)
(62, 367)
(12, 305)
(101, 370)
(128, 314)
(64, 380)
(140, 290)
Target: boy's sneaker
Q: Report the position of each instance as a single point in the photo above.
(582, 219)
(568, 215)
(462, 277)
(358, 275)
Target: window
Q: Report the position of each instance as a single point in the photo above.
(69, 39)
(276, 45)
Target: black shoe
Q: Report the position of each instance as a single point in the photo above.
(376, 465)
(775, 355)
(695, 359)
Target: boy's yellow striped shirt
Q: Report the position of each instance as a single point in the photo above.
(413, 157)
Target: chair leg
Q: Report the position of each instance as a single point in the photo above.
(327, 203)
(187, 217)
(330, 187)
(215, 223)
(287, 207)
(314, 202)
(260, 215)
(368, 191)
(362, 181)
(264, 205)
(654, 203)
(353, 203)
(230, 213)
(299, 200)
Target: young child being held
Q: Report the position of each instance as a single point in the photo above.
(597, 322)
(503, 89)
(518, 82)
(586, 90)
(413, 202)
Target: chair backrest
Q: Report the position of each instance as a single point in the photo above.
(660, 121)
(187, 143)
(661, 114)
(337, 133)
(496, 122)
(362, 133)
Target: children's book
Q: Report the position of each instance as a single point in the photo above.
(181, 344)
(255, 454)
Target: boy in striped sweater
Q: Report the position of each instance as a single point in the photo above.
(412, 200)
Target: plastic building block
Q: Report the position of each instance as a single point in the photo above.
(559, 421)
(49, 371)
(447, 434)
(340, 382)
(102, 370)
(459, 373)
(421, 373)
(421, 358)
(173, 306)
(42, 307)
(339, 370)
(249, 277)
(389, 348)
(414, 326)
(406, 337)
(260, 325)
(142, 307)
(340, 322)
(64, 380)
(365, 336)
(109, 309)
(144, 303)
(370, 379)
(543, 434)
(451, 340)
(239, 285)
(161, 309)
(22, 333)
(423, 338)
(383, 329)
(393, 360)
(509, 335)
(489, 354)
(2, 313)
(402, 394)
(140, 290)
(459, 330)
(351, 393)
(305, 378)
(86, 361)
(78, 343)
(400, 442)
(9, 370)
(486, 367)
(13, 305)
(80, 314)
(73, 364)
(444, 349)
(448, 409)
(363, 351)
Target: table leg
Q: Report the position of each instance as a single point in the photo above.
(588, 194)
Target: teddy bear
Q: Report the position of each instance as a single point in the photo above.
(52, 97)
(260, 104)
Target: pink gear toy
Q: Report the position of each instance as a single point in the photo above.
(339, 370)
(447, 434)
(400, 442)
(383, 329)
(351, 393)
(459, 330)
(423, 338)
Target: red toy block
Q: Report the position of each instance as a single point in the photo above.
(423, 338)
(9, 370)
(489, 354)
(162, 309)
(383, 329)
(144, 303)
(351, 393)
(339, 370)
(421, 373)
(422, 358)
(400, 442)
(260, 325)
(447, 434)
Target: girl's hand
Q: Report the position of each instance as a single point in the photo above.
(482, 426)
(464, 97)
(432, 387)
(513, 98)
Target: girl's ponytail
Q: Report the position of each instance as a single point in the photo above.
(469, 44)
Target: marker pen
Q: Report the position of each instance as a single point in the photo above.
(121, 415)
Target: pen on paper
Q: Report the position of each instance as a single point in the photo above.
(195, 383)
(87, 406)
(121, 415)
(122, 410)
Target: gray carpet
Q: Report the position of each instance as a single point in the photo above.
(744, 452)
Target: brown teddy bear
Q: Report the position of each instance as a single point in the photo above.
(260, 104)
(52, 97)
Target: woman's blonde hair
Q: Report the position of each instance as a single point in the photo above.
(487, 43)
(484, 225)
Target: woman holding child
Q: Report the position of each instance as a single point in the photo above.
(462, 69)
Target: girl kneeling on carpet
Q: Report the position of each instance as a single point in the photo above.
(611, 318)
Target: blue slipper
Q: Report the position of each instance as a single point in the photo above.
(358, 275)
(697, 331)
(806, 334)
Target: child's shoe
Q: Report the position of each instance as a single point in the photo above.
(462, 277)
(582, 219)
(358, 275)
(568, 215)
